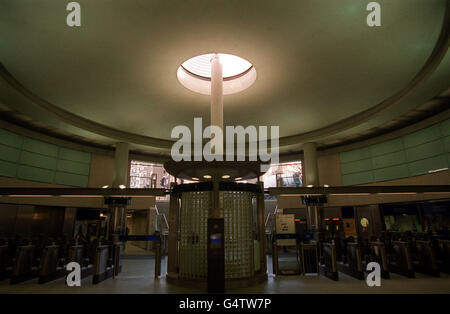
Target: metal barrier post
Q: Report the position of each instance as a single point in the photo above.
(158, 257)
(275, 258)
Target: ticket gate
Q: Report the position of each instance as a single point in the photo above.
(333, 231)
(352, 264)
(76, 254)
(290, 261)
(157, 238)
(309, 258)
(443, 255)
(400, 261)
(102, 269)
(426, 261)
(5, 269)
(329, 267)
(378, 254)
(49, 268)
(23, 268)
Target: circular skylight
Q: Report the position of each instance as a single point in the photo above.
(232, 65)
(195, 73)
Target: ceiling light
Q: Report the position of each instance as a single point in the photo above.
(195, 179)
(122, 186)
(207, 176)
(237, 179)
(105, 186)
(195, 73)
(225, 176)
(231, 65)
(309, 186)
(326, 186)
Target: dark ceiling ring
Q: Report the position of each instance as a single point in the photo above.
(79, 121)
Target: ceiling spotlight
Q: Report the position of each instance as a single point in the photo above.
(207, 176)
(237, 179)
(105, 186)
(326, 186)
(309, 186)
(225, 176)
(122, 186)
(195, 179)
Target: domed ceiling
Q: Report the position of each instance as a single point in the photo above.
(324, 75)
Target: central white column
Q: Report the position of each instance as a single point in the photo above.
(311, 178)
(121, 164)
(216, 92)
(310, 165)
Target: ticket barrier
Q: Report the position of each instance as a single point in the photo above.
(378, 254)
(23, 268)
(304, 259)
(443, 255)
(333, 230)
(426, 261)
(76, 254)
(50, 268)
(352, 264)
(309, 258)
(102, 269)
(158, 248)
(329, 267)
(400, 261)
(289, 256)
(5, 268)
(118, 248)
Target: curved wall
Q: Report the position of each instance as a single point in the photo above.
(417, 153)
(30, 159)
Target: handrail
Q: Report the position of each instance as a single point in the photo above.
(270, 217)
(162, 220)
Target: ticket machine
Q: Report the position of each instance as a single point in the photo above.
(216, 255)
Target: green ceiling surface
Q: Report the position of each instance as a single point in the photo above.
(317, 61)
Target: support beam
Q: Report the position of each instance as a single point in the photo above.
(311, 172)
(216, 92)
(121, 164)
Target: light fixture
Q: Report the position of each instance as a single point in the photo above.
(195, 179)
(326, 186)
(207, 176)
(201, 65)
(437, 170)
(225, 176)
(238, 179)
(309, 186)
(122, 186)
(195, 73)
(105, 186)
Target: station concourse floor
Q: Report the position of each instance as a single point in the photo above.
(137, 277)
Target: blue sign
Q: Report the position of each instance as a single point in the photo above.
(149, 237)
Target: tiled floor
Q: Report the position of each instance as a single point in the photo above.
(137, 277)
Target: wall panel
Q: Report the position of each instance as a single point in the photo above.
(414, 154)
(26, 158)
